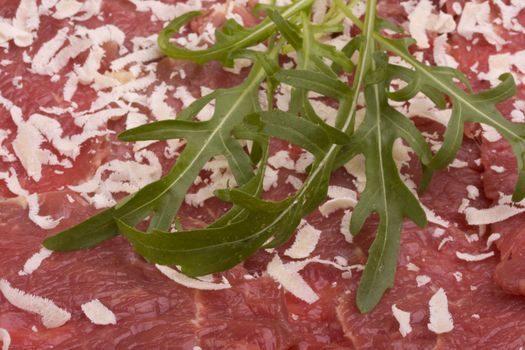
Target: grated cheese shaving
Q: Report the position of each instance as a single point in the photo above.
(500, 212)
(291, 280)
(356, 168)
(165, 12)
(52, 315)
(458, 276)
(412, 267)
(189, 282)
(497, 169)
(440, 318)
(345, 226)
(98, 313)
(13, 185)
(5, 338)
(271, 177)
(21, 29)
(124, 176)
(441, 57)
(473, 192)
(421, 19)
(421, 280)
(34, 262)
(475, 18)
(281, 159)
(67, 9)
(445, 241)
(294, 181)
(492, 238)
(288, 275)
(305, 241)
(403, 318)
(474, 257)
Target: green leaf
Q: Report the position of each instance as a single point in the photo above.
(230, 39)
(479, 107)
(385, 193)
(295, 130)
(314, 81)
(163, 198)
(256, 222)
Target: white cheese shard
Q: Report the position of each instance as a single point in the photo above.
(421, 280)
(475, 18)
(70, 87)
(189, 282)
(166, 12)
(26, 143)
(22, 28)
(327, 113)
(421, 19)
(498, 169)
(5, 338)
(345, 226)
(89, 9)
(412, 267)
(13, 185)
(271, 178)
(305, 241)
(67, 8)
(434, 218)
(34, 262)
(341, 198)
(499, 212)
(139, 56)
(5, 154)
(98, 313)
(440, 318)
(503, 63)
(41, 60)
(456, 6)
(422, 106)
(441, 56)
(281, 159)
(458, 276)
(356, 168)
(509, 14)
(305, 159)
(124, 176)
(474, 257)
(445, 241)
(159, 108)
(52, 315)
(417, 22)
(288, 274)
(221, 177)
(438, 232)
(403, 318)
(291, 280)
(294, 181)
(472, 192)
(492, 238)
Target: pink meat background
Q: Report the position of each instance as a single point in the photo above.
(153, 312)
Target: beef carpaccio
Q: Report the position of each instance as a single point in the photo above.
(73, 74)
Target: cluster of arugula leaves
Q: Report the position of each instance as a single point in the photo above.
(253, 223)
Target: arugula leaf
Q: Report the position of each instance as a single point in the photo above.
(222, 246)
(385, 193)
(164, 197)
(479, 107)
(230, 39)
(265, 223)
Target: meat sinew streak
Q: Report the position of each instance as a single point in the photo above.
(76, 74)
